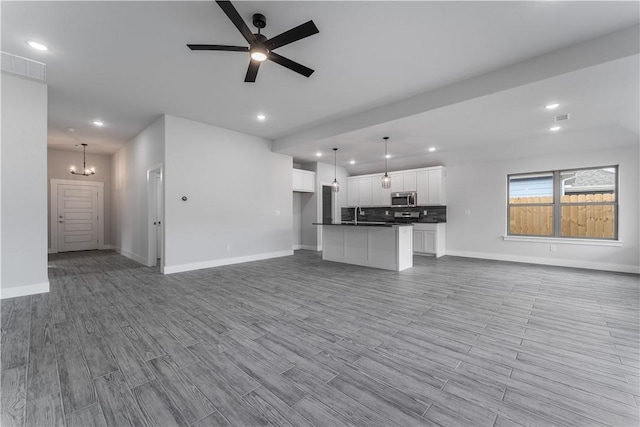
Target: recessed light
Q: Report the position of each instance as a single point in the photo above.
(71, 129)
(261, 117)
(551, 106)
(36, 45)
(319, 154)
(432, 149)
(388, 156)
(554, 128)
(352, 162)
(98, 122)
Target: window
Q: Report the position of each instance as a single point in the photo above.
(578, 203)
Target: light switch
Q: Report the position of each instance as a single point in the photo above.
(277, 213)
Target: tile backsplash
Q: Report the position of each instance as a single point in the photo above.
(434, 214)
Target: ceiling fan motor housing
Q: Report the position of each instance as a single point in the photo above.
(259, 21)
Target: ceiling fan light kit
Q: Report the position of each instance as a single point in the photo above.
(260, 48)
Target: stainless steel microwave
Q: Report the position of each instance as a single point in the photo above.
(405, 199)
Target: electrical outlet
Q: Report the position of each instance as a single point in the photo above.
(467, 211)
(424, 212)
(228, 248)
(386, 212)
(552, 248)
(277, 213)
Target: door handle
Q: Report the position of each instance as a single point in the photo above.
(60, 222)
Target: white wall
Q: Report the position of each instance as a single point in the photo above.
(481, 187)
(129, 211)
(58, 162)
(239, 206)
(23, 187)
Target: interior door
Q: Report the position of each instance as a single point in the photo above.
(77, 218)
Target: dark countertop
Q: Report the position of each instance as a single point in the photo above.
(366, 224)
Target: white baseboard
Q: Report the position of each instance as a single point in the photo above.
(21, 291)
(310, 248)
(100, 248)
(590, 265)
(131, 255)
(225, 261)
(296, 247)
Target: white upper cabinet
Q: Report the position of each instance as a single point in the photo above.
(422, 187)
(429, 183)
(381, 196)
(364, 186)
(397, 182)
(304, 181)
(409, 181)
(353, 191)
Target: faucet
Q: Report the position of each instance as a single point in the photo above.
(355, 215)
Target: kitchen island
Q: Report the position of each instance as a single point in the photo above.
(370, 244)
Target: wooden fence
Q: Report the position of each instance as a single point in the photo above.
(586, 218)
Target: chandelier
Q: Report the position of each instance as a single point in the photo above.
(85, 171)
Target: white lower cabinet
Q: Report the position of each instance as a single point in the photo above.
(429, 239)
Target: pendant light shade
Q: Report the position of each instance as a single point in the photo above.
(85, 171)
(335, 185)
(386, 179)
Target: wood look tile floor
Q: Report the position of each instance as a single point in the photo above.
(297, 341)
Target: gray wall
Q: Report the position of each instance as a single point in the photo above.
(239, 203)
(58, 162)
(130, 223)
(23, 216)
(480, 187)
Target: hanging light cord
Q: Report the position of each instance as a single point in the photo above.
(385, 154)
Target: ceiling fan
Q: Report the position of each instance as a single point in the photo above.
(260, 48)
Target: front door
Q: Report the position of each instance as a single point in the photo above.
(77, 218)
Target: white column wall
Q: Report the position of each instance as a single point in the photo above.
(23, 189)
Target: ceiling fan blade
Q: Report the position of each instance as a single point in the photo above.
(292, 65)
(252, 71)
(301, 31)
(237, 20)
(218, 47)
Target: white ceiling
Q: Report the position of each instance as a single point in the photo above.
(127, 63)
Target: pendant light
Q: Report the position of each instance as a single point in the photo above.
(386, 179)
(85, 171)
(335, 186)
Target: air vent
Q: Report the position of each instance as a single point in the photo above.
(23, 66)
(561, 117)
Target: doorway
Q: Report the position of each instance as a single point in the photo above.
(76, 215)
(155, 203)
(327, 204)
(326, 209)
